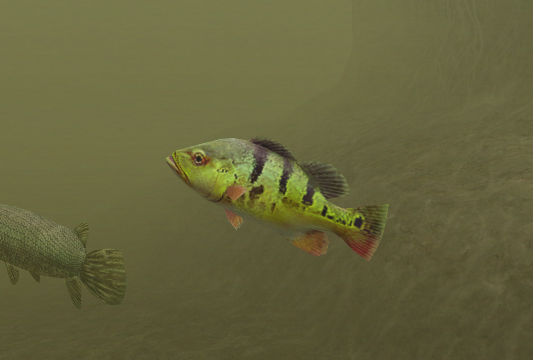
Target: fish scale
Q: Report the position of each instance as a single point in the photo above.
(261, 180)
(34, 243)
(270, 178)
(58, 256)
(296, 186)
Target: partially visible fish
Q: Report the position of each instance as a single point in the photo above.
(261, 180)
(35, 243)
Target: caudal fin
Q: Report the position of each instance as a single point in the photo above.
(364, 230)
(104, 275)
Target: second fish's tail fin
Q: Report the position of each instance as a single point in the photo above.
(364, 230)
(103, 273)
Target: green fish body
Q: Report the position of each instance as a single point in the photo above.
(262, 181)
(34, 243)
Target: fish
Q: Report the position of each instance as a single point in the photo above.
(34, 243)
(261, 180)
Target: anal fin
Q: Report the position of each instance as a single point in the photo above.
(234, 219)
(35, 275)
(314, 242)
(74, 289)
(12, 273)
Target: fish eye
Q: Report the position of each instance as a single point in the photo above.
(198, 159)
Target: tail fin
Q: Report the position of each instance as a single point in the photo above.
(365, 229)
(104, 275)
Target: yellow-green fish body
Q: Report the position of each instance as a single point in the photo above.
(34, 243)
(262, 181)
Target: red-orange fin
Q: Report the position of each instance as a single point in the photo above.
(365, 229)
(234, 219)
(314, 242)
(235, 191)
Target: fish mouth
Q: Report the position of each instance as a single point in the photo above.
(172, 164)
(176, 167)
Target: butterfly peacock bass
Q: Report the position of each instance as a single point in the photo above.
(261, 180)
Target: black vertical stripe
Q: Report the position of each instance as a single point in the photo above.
(255, 193)
(324, 210)
(287, 171)
(260, 159)
(308, 197)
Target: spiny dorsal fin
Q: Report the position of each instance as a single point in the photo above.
(273, 146)
(82, 230)
(326, 178)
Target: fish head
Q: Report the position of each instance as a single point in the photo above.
(207, 168)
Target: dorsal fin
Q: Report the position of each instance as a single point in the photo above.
(273, 146)
(326, 178)
(82, 230)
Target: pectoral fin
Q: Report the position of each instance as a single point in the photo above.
(234, 219)
(314, 242)
(74, 289)
(235, 191)
(35, 275)
(12, 273)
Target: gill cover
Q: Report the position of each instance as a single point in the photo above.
(205, 169)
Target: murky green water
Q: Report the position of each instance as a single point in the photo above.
(423, 106)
